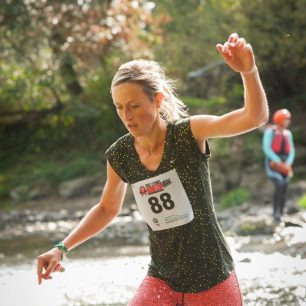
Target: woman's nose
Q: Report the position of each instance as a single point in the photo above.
(127, 114)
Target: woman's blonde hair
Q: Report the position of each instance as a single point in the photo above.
(151, 76)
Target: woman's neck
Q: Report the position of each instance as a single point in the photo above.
(151, 143)
(280, 128)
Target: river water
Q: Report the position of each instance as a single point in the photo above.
(111, 277)
(108, 269)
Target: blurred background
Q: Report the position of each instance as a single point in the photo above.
(57, 60)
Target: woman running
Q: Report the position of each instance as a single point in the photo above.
(164, 157)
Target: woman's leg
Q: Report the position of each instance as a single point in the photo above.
(283, 201)
(279, 198)
(155, 292)
(227, 293)
(152, 292)
(279, 192)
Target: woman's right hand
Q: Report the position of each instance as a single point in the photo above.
(238, 54)
(48, 263)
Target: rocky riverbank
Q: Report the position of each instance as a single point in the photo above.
(250, 225)
(270, 258)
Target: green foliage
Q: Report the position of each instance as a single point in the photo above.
(221, 147)
(23, 88)
(59, 54)
(281, 56)
(4, 187)
(56, 62)
(302, 201)
(59, 172)
(216, 105)
(49, 54)
(194, 29)
(32, 170)
(249, 228)
(235, 197)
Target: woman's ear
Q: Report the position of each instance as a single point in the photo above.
(159, 98)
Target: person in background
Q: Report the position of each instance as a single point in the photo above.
(164, 157)
(278, 147)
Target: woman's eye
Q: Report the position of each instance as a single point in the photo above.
(134, 106)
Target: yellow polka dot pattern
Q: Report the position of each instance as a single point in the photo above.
(193, 257)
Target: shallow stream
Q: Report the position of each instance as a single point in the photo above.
(112, 274)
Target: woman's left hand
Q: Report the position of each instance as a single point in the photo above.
(238, 54)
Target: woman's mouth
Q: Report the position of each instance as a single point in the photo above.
(132, 126)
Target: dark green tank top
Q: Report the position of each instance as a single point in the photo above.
(195, 256)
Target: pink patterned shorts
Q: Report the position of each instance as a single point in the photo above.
(156, 292)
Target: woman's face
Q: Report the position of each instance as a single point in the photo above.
(286, 123)
(136, 110)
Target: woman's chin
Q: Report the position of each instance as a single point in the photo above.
(134, 132)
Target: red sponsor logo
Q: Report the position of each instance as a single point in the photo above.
(154, 187)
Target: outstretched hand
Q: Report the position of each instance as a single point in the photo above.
(238, 54)
(48, 263)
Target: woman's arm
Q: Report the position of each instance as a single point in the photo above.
(255, 112)
(102, 213)
(266, 146)
(94, 221)
(291, 155)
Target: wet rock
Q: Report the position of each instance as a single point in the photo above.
(20, 193)
(76, 187)
(300, 170)
(264, 192)
(96, 190)
(258, 210)
(292, 207)
(250, 222)
(254, 225)
(292, 222)
(218, 178)
(79, 214)
(40, 191)
(296, 190)
(286, 240)
(129, 196)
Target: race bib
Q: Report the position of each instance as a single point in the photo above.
(162, 201)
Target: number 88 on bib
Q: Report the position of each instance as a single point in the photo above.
(162, 201)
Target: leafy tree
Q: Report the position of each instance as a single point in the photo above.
(190, 38)
(277, 31)
(55, 46)
(52, 50)
(57, 59)
(277, 38)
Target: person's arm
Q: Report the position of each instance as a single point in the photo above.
(291, 155)
(255, 112)
(266, 146)
(93, 222)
